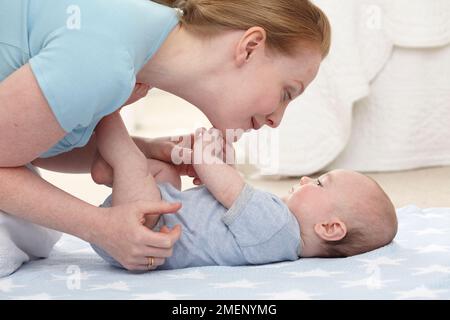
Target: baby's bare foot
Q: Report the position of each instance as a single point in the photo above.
(101, 171)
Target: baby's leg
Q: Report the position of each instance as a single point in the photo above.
(132, 180)
(160, 170)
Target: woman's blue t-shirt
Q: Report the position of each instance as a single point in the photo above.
(85, 54)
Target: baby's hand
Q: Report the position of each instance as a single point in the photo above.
(211, 147)
(208, 146)
(222, 180)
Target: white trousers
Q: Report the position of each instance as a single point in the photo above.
(22, 241)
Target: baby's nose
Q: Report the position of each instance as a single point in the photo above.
(305, 180)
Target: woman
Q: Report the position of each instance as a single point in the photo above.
(65, 65)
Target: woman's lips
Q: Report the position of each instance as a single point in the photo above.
(255, 124)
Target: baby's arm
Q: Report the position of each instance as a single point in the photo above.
(132, 178)
(222, 180)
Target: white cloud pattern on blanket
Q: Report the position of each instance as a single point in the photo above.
(415, 266)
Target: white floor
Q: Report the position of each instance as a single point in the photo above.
(160, 114)
(425, 187)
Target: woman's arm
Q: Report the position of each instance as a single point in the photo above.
(27, 129)
(22, 193)
(119, 230)
(79, 160)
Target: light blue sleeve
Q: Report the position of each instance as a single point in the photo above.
(264, 228)
(83, 75)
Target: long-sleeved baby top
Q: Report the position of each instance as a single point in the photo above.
(257, 229)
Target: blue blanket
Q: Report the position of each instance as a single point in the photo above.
(415, 266)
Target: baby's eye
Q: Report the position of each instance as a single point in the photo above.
(319, 183)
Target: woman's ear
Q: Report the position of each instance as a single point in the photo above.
(333, 230)
(252, 40)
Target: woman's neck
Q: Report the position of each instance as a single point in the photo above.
(179, 67)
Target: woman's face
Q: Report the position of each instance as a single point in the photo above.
(259, 91)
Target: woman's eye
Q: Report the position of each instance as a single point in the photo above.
(287, 96)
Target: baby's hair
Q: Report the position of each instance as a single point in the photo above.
(364, 236)
(286, 22)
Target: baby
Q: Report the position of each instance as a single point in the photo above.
(228, 222)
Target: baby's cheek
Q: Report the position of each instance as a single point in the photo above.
(306, 191)
(295, 200)
(306, 196)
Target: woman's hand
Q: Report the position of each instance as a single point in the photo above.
(160, 149)
(121, 232)
(183, 146)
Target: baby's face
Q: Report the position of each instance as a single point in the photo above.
(315, 200)
(338, 201)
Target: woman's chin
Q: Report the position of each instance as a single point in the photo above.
(238, 128)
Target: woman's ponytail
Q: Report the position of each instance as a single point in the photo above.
(286, 22)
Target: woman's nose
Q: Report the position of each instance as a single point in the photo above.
(274, 120)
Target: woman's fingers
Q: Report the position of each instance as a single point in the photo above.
(138, 268)
(161, 149)
(144, 264)
(145, 208)
(159, 239)
(180, 155)
(159, 255)
(128, 241)
(146, 261)
(149, 207)
(164, 229)
(157, 252)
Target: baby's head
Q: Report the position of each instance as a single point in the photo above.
(342, 213)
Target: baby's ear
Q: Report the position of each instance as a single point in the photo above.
(333, 230)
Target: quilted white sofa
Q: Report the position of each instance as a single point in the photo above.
(381, 101)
